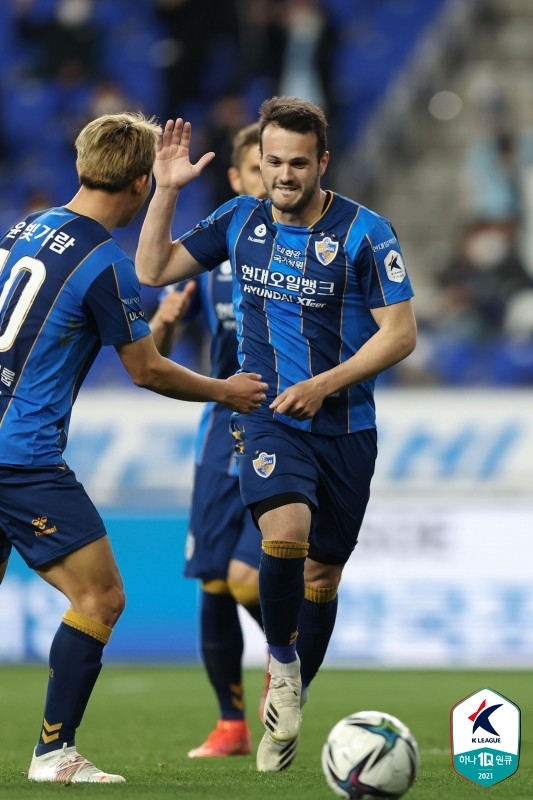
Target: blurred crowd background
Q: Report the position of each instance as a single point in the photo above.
(430, 104)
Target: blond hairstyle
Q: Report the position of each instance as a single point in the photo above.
(114, 149)
(242, 140)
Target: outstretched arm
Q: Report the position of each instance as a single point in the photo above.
(242, 392)
(160, 261)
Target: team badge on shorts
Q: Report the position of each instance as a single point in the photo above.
(326, 250)
(264, 464)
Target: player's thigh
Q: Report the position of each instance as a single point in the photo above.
(46, 514)
(242, 573)
(289, 521)
(89, 577)
(215, 524)
(347, 466)
(273, 459)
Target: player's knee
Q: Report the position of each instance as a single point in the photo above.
(320, 594)
(105, 606)
(321, 575)
(116, 602)
(247, 594)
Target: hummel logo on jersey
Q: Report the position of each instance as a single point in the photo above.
(260, 233)
(224, 272)
(395, 267)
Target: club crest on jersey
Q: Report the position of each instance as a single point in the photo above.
(395, 267)
(264, 464)
(326, 250)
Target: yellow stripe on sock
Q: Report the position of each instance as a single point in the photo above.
(237, 696)
(50, 733)
(282, 549)
(320, 595)
(216, 587)
(91, 627)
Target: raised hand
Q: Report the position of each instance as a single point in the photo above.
(172, 166)
(175, 305)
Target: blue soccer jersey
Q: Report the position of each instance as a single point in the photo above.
(213, 301)
(66, 288)
(303, 295)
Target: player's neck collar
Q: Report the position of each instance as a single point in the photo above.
(325, 206)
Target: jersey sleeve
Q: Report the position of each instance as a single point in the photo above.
(114, 301)
(381, 268)
(207, 242)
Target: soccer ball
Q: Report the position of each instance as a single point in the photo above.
(370, 754)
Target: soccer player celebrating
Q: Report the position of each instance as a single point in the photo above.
(323, 305)
(66, 288)
(223, 549)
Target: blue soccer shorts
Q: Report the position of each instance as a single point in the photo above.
(45, 513)
(221, 528)
(333, 472)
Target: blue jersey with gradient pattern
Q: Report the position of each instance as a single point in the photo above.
(303, 295)
(213, 301)
(66, 288)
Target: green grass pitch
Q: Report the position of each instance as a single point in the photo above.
(142, 720)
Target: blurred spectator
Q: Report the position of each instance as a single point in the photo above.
(226, 117)
(287, 47)
(309, 45)
(492, 181)
(107, 97)
(261, 43)
(195, 33)
(103, 97)
(492, 177)
(65, 44)
(37, 200)
(479, 282)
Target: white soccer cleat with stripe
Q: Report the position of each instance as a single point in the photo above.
(282, 717)
(67, 766)
(275, 756)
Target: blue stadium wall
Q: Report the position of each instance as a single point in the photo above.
(442, 576)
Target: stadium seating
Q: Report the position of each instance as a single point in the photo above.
(376, 40)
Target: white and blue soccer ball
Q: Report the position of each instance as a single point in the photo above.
(370, 754)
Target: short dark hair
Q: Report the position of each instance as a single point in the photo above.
(242, 140)
(297, 115)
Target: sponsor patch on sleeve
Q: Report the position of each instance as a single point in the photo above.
(394, 266)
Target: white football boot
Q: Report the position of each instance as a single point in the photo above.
(282, 716)
(276, 755)
(67, 766)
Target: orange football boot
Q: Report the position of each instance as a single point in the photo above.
(231, 737)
